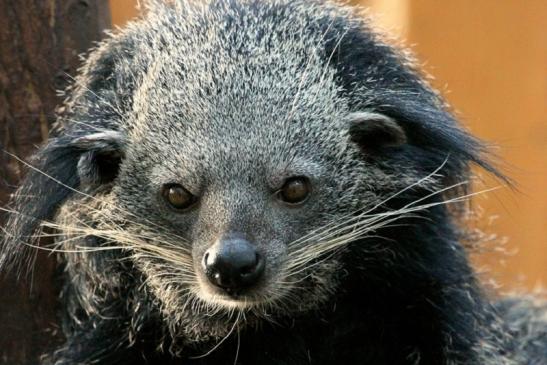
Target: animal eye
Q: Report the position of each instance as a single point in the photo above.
(295, 190)
(178, 197)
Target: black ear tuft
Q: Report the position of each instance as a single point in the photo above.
(374, 131)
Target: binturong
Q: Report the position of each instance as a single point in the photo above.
(262, 182)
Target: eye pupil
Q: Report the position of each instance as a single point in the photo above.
(295, 190)
(177, 196)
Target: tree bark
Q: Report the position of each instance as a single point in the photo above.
(40, 41)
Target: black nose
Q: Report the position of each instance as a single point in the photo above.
(233, 264)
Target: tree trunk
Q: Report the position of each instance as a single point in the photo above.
(40, 41)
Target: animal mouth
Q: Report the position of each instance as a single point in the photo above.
(228, 297)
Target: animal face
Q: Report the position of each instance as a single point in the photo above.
(242, 195)
(242, 165)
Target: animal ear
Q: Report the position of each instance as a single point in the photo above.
(101, 155)
(69, 164)
(374, 131)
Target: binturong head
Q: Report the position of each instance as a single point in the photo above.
(241, 159)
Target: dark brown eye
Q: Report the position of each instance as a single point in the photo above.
(178, 197)
(295, 190)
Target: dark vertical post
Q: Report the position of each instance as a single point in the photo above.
(40, 41)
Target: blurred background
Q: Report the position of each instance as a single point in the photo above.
(489, 59)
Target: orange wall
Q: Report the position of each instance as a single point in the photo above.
(122, 11)
(489, 58)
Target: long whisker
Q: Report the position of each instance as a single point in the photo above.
(355, 230)
(113, 235)
(398, 193)
(105, 219)
(94, 198)
(372, 217)
(133, 241)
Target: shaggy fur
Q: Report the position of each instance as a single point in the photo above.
(229, 98)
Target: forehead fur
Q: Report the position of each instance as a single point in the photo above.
(222, 72)
(236, 82)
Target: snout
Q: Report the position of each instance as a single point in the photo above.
(233, 264)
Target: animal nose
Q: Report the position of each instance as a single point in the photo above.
(233, 264)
